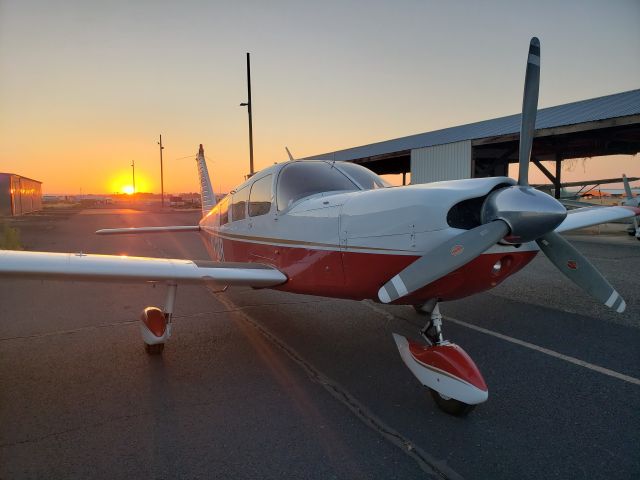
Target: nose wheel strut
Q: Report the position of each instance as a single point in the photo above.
(432, 331)
(453, 379)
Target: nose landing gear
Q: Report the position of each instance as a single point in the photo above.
(453, 379)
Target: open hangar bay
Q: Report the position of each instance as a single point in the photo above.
(263, 384)
(594, 127)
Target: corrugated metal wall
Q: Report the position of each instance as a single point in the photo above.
(27, 195)
(19, 195)
(441, 162)
(5, 195)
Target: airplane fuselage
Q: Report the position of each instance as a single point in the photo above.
(347, 244)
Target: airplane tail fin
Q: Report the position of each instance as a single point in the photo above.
(207, 196)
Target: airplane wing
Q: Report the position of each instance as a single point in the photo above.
(590, 216)
(80, 266)
(571, 204)
(130, 230)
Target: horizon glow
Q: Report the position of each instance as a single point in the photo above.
(93, 84)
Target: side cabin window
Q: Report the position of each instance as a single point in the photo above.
(239, 204)
(260, 197)
(301, 179)
(223, 211)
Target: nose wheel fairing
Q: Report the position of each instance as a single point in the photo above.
(445, 368)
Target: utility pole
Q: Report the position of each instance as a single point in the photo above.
(248, 105)
(161, 172)
(133, 169)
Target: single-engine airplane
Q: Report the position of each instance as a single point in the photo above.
(631, 201)
(335, 229)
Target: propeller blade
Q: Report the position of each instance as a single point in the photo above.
(578, 269)
(529, 109)
(627, 187)
(443, 259)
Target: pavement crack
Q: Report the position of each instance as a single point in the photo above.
(69, 331)
(425, 461)
(133, 322)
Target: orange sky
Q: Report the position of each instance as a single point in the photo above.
(87, 86)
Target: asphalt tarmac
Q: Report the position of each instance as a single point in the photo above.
(264, 384)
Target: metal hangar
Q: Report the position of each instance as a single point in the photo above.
(19, 195)
(606, 125)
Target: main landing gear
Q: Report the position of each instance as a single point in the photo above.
(155, 324)
(453, 379)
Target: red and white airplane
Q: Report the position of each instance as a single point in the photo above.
(336, 229)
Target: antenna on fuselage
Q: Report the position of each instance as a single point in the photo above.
(289, 153)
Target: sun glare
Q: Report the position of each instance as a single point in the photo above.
(128, 189)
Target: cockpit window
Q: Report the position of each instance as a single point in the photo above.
(260, 197)
(223, 211)
(239, 204)
(363, 176)
(301, 179)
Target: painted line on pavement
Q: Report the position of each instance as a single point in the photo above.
(546, 351)
(522, 343)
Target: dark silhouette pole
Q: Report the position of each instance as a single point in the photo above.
(133, 170)
(161, 172)
(248, 105)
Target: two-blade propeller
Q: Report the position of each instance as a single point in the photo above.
(520, 213)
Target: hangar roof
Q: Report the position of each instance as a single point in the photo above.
(16, 175)
(602, 108)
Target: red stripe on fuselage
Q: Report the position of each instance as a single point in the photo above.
(358, 276)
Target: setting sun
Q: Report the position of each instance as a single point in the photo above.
(128, 189)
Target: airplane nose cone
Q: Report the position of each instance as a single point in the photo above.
(529, 213)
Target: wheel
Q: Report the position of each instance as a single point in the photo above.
(451, 405)
(155, 349)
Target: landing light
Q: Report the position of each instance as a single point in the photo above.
(497, 267)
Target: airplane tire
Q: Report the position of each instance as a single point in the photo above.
(450, 405)
(155, 349)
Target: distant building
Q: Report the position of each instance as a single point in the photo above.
(176, 201)
(19, 195)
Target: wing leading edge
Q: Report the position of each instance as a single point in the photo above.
(80, 266)
(590, 216)
(135, 230)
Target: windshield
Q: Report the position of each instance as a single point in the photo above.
(363, 176)
(301, 179)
